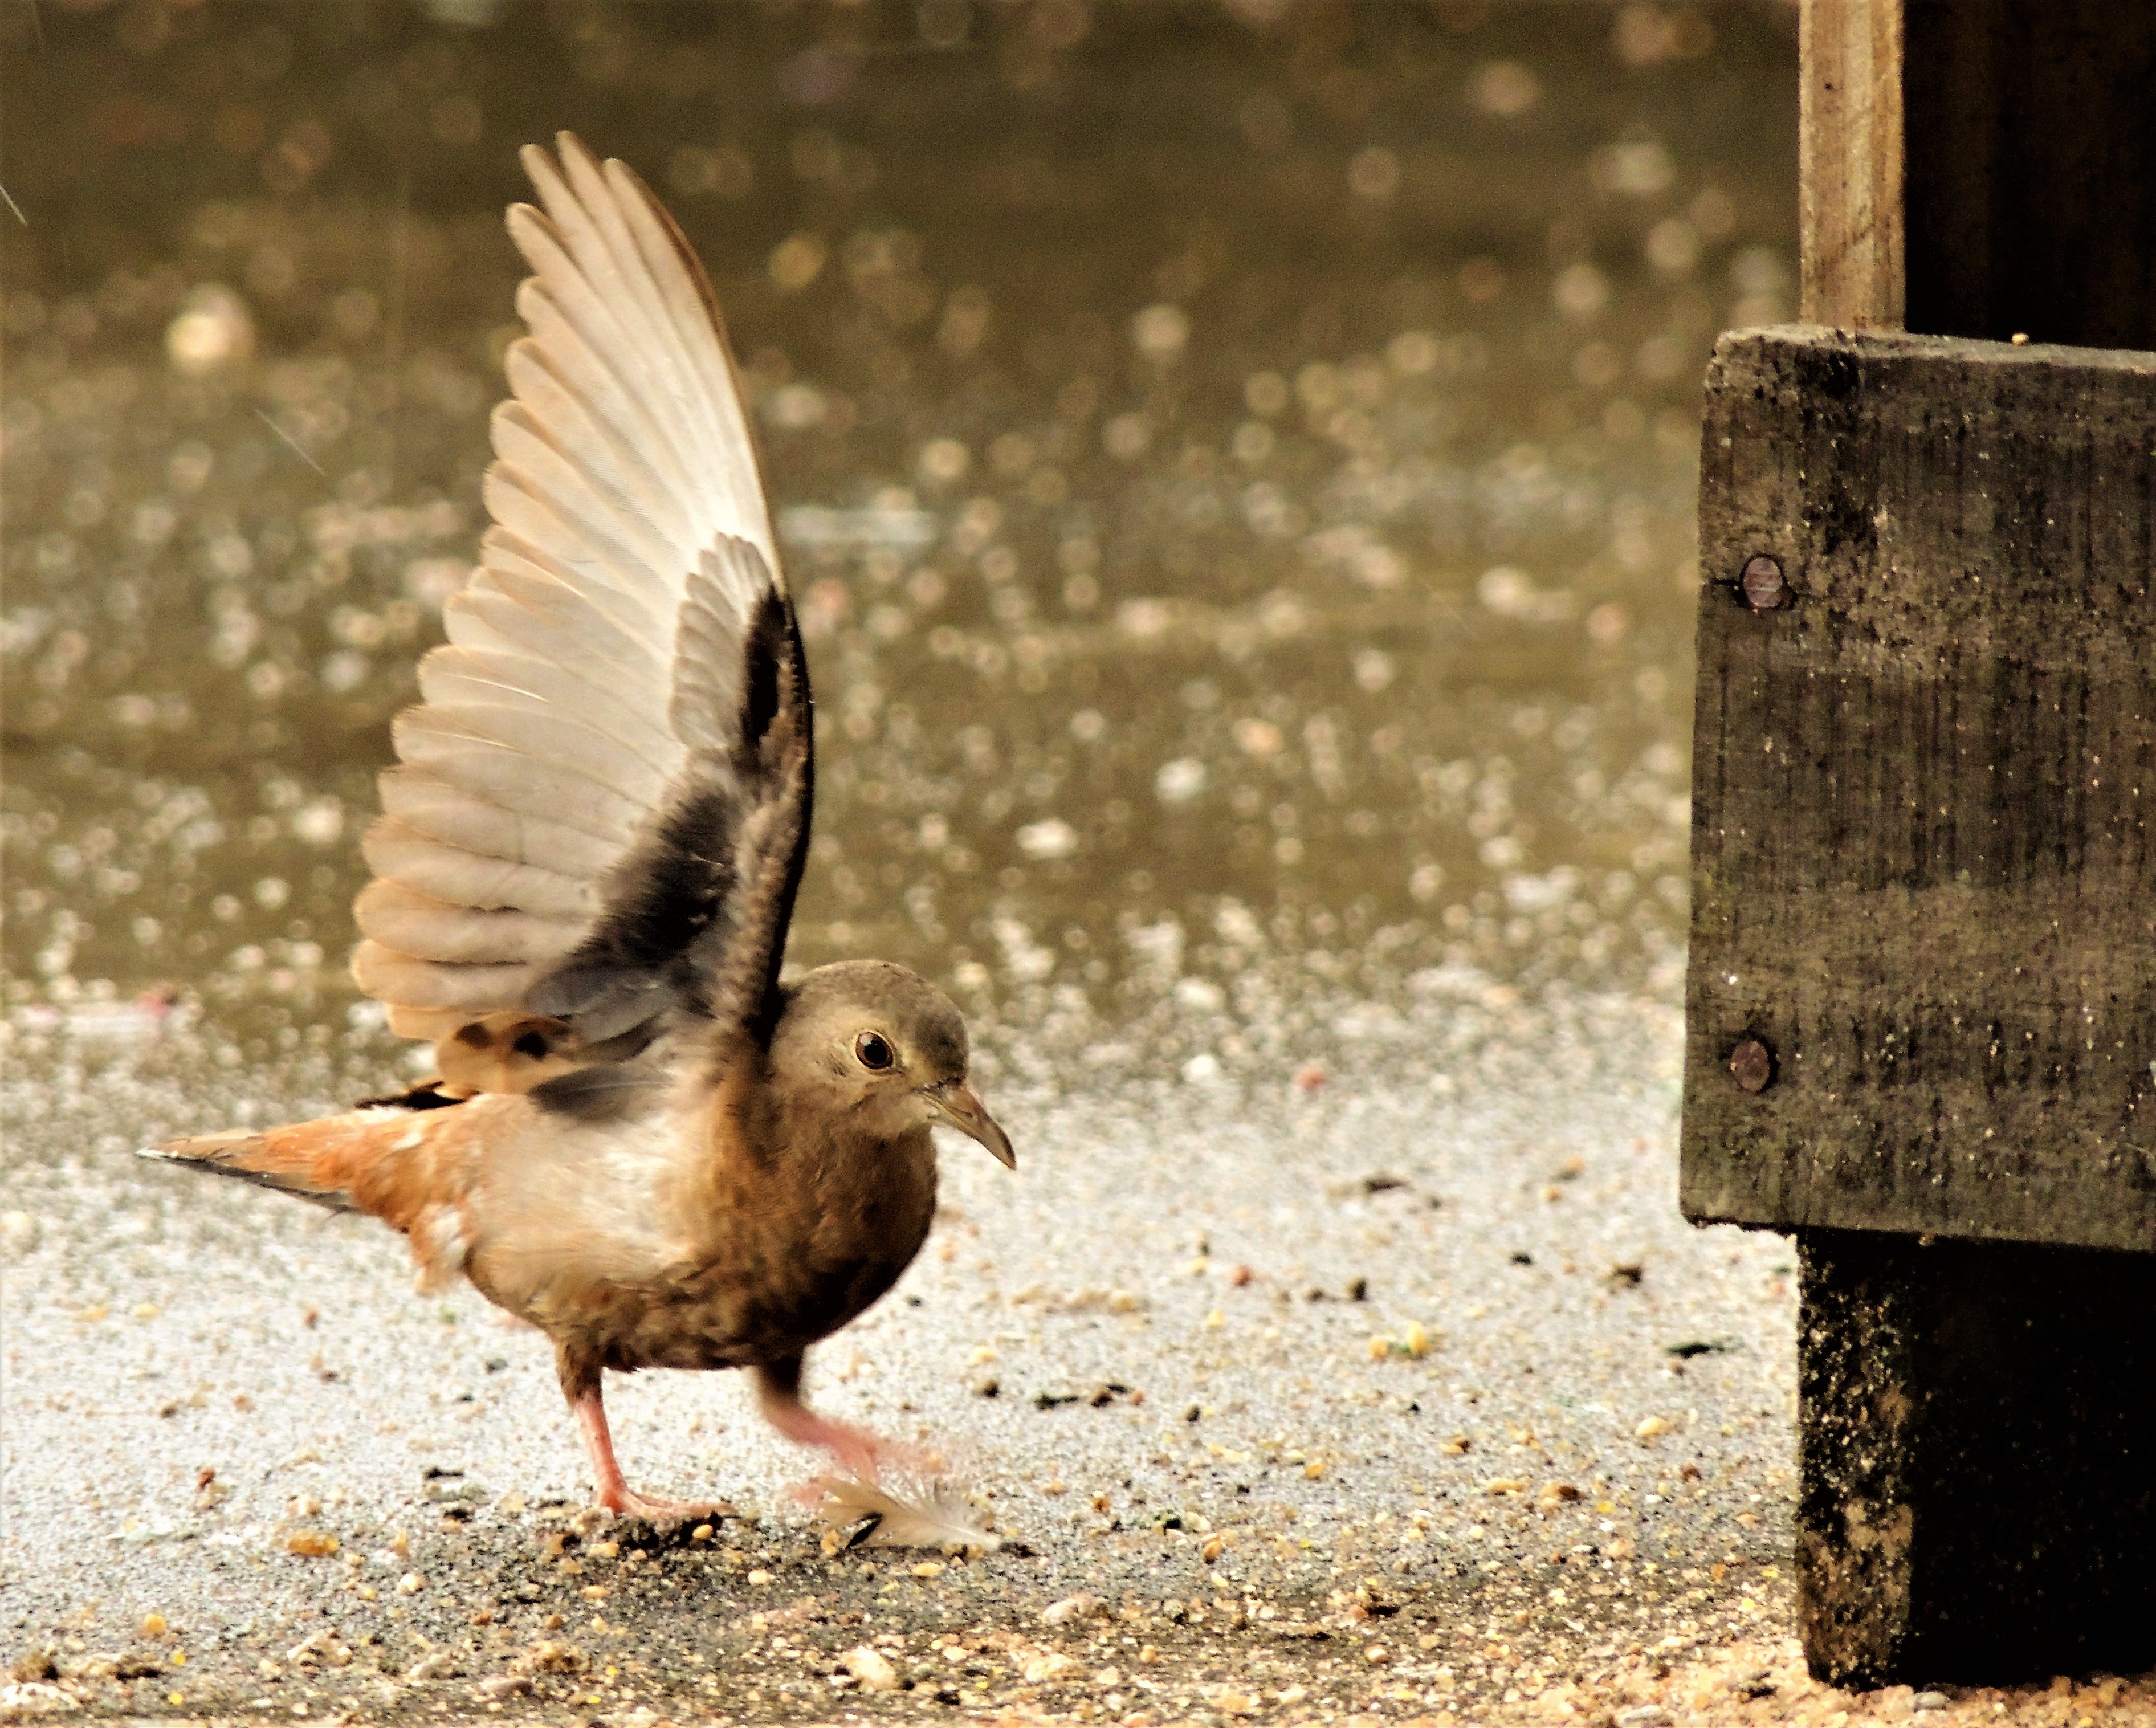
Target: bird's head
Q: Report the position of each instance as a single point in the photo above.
(889, 1045)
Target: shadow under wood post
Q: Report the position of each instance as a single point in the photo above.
(1921, 1014)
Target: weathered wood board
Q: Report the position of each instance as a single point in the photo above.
(1922, 977)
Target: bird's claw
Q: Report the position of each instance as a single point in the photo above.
(661, 1514)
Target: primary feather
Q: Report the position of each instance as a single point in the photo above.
(613, 751)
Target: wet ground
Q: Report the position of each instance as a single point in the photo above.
(1237, 461)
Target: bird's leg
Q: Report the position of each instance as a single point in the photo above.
(581, 1384)
(778, 1396)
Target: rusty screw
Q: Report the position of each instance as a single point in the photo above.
(1752, 1065)
(1761, 580)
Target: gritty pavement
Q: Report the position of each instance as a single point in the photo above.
(1394, 1390)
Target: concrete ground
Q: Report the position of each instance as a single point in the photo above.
(1396, 1388)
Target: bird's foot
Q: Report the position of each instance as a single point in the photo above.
(854, 1450)
(625, 1502)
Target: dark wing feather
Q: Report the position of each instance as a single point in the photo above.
(697, 915)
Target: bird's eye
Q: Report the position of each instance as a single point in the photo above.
(873, 1050)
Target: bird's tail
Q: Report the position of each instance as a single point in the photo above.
(332, 1162)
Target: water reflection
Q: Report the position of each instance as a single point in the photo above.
(1236, 464)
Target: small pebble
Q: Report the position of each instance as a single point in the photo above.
(1071, 1608)
(1052, 1665)
(871, 1668)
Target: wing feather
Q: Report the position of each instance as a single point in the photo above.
(695, 314)
(583, 491)
(608, 396)
(539, 609)
(451, 676)
(455, 817)
(560, 412)
(455, 747)
(601, 809)
(427, 928)
(397, 852)
(591, 221)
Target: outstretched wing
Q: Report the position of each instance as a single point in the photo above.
(601, 808)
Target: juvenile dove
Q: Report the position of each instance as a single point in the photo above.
(639, 1138)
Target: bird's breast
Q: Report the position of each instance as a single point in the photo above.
(767, 1256)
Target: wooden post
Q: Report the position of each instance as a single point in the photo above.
(1849, 163)
(1921, 1005)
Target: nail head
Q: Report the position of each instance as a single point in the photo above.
(1752, 1065)
(1765, 588)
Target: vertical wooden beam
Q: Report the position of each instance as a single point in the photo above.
(1977, 1503)
(1849, 163)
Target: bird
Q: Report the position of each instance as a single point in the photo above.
(639, 1136)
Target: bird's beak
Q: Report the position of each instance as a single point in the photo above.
(954, 1101)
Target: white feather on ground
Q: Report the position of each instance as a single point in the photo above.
(864, 1515)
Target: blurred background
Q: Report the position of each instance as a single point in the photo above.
(1236, 457)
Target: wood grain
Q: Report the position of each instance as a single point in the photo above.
(1849, 162)
(1922, 870)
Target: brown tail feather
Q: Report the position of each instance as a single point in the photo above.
(232, 1153)
(329, 1160)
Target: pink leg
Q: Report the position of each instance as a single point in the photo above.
(615, 1493)
(778, 1395)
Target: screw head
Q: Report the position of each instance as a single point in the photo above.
(1752, 1065)
(1761, 582)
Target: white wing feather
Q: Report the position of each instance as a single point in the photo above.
(549, 735)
